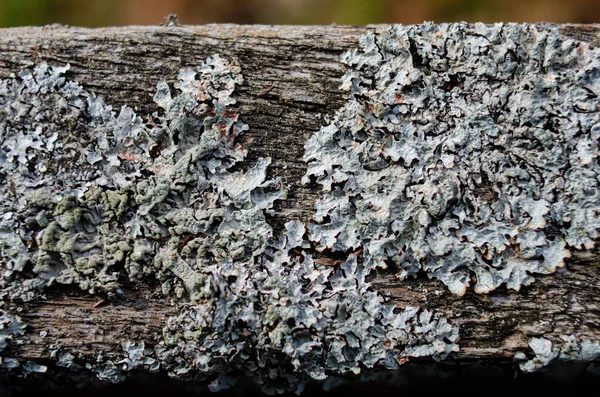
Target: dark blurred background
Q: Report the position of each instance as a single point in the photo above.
(95, 13)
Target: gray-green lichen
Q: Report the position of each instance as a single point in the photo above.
(467, 151)
(88, 190)
(283, 321)
(93, 195)
(9, 328)
(568, 348)
(286, 318)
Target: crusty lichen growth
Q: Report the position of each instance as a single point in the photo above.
(466, 151)
(93, 196)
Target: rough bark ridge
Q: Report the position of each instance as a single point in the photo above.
(291, 84)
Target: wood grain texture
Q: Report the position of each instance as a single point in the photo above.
(291, 78)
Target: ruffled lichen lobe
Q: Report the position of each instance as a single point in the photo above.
(465, 151)
(566, 348)
(89, 191)
(91, 195)
(287, 319)
(94, 195)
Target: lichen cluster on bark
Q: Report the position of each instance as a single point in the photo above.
(468, 152)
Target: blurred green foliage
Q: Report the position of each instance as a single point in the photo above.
(24, 12)
(70, 12)
(358, 12)
(95, 13)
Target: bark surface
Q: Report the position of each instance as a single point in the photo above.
(291, 83)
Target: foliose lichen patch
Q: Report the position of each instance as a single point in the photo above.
(90, 195)
(10, 327)
(285, 320)
(568, 348)
(88, 191)
(93, 195)
(469, 152)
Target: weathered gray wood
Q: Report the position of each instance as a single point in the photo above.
(291, 79)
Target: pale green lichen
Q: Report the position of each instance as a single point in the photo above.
(10, 327)
(94, 195)
(465, 151)
(423, 168)
(108, 189)
(568, 348)
(285, 320)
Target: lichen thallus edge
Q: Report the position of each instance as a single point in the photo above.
(156, 198)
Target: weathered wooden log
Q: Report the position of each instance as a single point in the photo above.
(291, 88)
